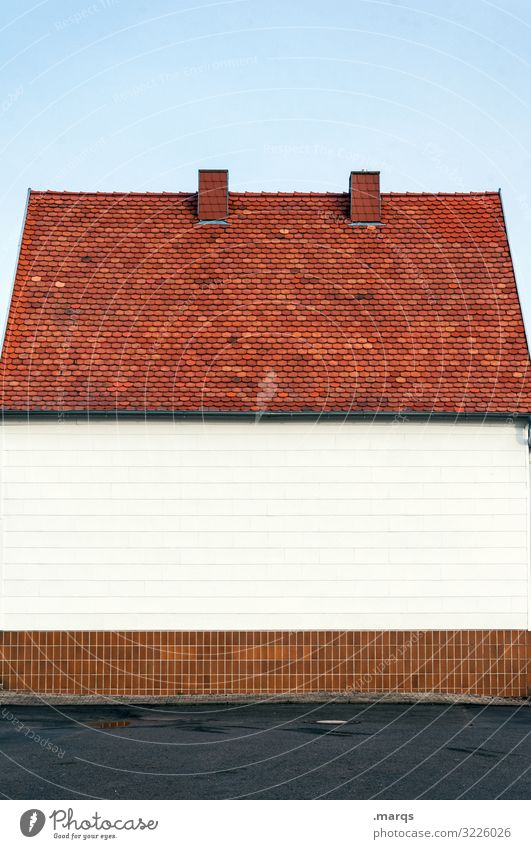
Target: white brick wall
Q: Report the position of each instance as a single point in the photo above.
(291, 525)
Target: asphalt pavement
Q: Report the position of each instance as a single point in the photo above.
(265, 751)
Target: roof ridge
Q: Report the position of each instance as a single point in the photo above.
(80, 193)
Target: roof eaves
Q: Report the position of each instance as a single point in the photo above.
(313, 415)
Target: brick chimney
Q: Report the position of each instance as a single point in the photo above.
(364, 190)
(213, 195)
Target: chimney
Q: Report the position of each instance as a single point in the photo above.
(213, 196)
(364, 190)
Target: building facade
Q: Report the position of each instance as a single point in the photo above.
(265, 443)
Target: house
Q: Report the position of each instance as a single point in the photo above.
(265, 442)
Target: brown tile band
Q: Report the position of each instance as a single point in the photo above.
(251, 662)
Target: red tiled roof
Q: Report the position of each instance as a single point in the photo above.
(124, 301)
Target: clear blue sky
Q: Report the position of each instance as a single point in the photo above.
(287, 94)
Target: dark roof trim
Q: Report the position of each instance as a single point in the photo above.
(402, 415)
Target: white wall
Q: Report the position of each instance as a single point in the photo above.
(291, 525)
